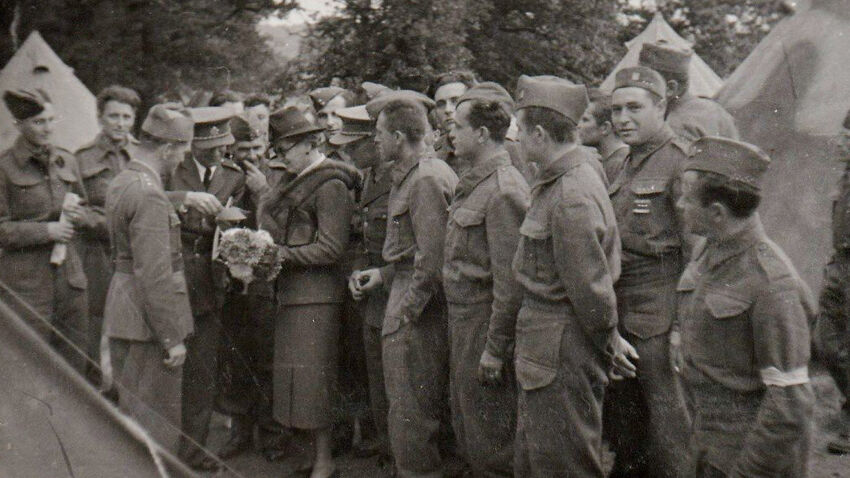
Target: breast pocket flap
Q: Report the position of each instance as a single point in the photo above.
(723, 306)
(468, 217)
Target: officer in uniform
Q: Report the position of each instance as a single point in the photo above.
(415, 348)
(204, 170)
(356, 144)
(646, 418)
(566, 263)
(690, 117)
(831, 333)
(483, 297)
(744, 330)
(100, 161)
(146, 316)
(35, 176)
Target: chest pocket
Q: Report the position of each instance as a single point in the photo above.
(647, 206)
(29, 197)
(469, 239)
(399, 224)
(538, 251)
(302, 228)
(96, 181)
(724, 307)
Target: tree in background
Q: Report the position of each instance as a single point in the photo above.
(404, 43)
(155, 46)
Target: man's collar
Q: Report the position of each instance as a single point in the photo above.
(401, 168)
(642, 151)
(312, 166)
(23, 150)
(555, 168)
(473, 176)
(719, 251)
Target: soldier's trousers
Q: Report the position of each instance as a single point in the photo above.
(832, 333)
(647, 421)
(559, 422)
(416, 376)
(148, 390)
(246, 361)
(483, 417)
(199, 385)
(377, 390)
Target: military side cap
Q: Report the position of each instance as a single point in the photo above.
(378, 103)
(846, 123)
(641, 77)
(290, 122)
(245, 129)
(739, 161)
(554, 93)
(212, 126)
(665, 57)
(373, 89)
(490, 92)
(24, 104)
(321, 96)
(169, 122)
(356, 124)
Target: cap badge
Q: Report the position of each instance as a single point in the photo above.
(214, 131)
(635, 76)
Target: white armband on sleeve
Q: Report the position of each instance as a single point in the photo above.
(778, 378)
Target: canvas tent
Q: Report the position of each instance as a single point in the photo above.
(35, 65)
(703, 80)
(789, 97)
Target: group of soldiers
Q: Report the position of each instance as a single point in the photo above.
(528, 276)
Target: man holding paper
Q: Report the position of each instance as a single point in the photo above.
(37, 223)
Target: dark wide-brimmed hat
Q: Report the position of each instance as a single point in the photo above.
(290, 123)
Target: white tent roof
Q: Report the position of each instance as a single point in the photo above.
(703, 80)
(35, 65)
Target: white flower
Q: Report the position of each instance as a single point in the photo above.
(731, 19)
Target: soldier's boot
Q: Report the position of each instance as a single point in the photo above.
(840, 445)
(241, 438)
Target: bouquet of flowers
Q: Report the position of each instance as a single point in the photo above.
(249, 255)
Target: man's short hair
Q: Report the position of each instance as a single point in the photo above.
(455, 76)
(118, 93)
(409, 117)
(490, 115)
(225, 96)
(600, 105)
(741, 200)
(257, 99)
(559, 127)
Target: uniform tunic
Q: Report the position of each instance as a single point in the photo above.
(309, 218)
(567, 261)
(147, 306)
(484, 298)
(206, 295)
(649, 436)
(693, 117)
(33, 184)
(415, 348)
(745, 341)
(100, 161)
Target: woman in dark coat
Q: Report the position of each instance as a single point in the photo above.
(309, 218)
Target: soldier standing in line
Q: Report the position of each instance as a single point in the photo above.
(744, 331)
(689, 116)
(100, 161)
(566, 263)
(206, 170)
(646, 418)
(446, 91)
(146, 316)
(483, 297)
(35, 177)
(415, 337)
(596, 130)
(832, 333)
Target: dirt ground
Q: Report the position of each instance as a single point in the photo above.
(822, 464)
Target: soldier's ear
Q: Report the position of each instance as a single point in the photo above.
(718, 213)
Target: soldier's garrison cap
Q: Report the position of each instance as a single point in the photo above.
(742, 162)
(24, 104)
(641, 77)
(490, 92)
(664, 57)
(557, 94)
(378, 103)
(245, 129)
